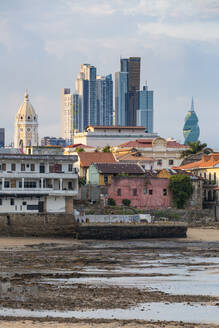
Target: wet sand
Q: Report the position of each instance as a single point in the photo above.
(21, 256)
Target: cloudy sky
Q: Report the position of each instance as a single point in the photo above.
(43, 43)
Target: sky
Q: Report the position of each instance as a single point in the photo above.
(43, 43)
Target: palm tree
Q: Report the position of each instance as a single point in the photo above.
(194, 148)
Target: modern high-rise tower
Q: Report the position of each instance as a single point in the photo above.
(145, 110)
(67, 115)
(191, 129)
(132, 66)
(121, 98)
(105, 100)
(86, 89)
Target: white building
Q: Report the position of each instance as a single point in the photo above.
(165, 153)
(67, 115)
(26, 125)
(101, 136)
(37, 183)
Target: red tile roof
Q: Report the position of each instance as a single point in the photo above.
(147, 143)
(79, 145)
(207, 161)
(86, 158)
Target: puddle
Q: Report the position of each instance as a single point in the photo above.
(193, 313)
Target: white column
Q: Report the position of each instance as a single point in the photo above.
(22, 183)
(60, 184)
(41, 183)
(3, 183)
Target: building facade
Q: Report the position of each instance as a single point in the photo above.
(67, 115)
(191, 129)
(26, 125)
(86, 89)
(2, 137)
(145, 112)
(105, 100)
(37, 183)
(53, 141)
(121, 98)
(101, 136)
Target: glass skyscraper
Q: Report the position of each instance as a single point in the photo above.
(145, 112)
(121, 98)
(191, 129)
(105, 100)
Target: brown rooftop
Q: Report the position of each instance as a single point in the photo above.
(86, 158)
(113, 168)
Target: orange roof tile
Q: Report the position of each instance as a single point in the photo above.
(86, 158)
(207, 161)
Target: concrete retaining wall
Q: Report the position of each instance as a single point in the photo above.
(62, 225)
(140, 231)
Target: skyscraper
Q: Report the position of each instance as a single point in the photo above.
(145, 110)
(67, 115)
(105, 100)
(132, 66)
(2, 137)
(191, 129)
(86, 89)
(121, 98)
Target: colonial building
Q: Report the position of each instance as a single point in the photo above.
(207, 168)
(26, 125)
(166, 153)
(37, 183)
(101, 136)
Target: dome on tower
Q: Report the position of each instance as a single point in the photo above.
(26, 111)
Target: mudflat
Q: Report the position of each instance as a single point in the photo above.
(56, 275)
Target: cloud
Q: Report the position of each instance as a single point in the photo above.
(195, 31)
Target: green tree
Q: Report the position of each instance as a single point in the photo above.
(194, 148)
(111, 202)
(79, 149)
(81, 181)
(181, 188)
(126, 202)
(106, 149)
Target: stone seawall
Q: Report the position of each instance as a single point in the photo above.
(140, 231)
(55, 224)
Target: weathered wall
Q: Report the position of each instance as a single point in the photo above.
(133, 231)
(62, 225)
(143, 199)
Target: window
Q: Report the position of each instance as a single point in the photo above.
(164, 192)
(134, 192)
(171, 161)
(13, 167)
(145, 190)
(118, 192)
(24, 203)
(42, 168)
(3, 167)
(70, 167)
(215, 178)
(159, 162)
(7, 184)
(32, 167)
(0, 201)
(32, 207)
(209, 177)
(105, 179)
(12, 201)
(150, 191)
(28, 165)
(205, 175)
(200, 175)
(22, 167)
(29, 184)
(51, 168)
(20, 184)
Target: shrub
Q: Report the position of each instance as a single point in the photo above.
(181, 188)
(111, 202)
(126, 202)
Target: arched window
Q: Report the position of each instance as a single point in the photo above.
(28, 117)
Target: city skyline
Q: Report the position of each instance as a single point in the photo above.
(176, 43)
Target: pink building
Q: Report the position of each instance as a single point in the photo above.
(143, 192)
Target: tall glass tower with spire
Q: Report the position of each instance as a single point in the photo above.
(191, 129)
